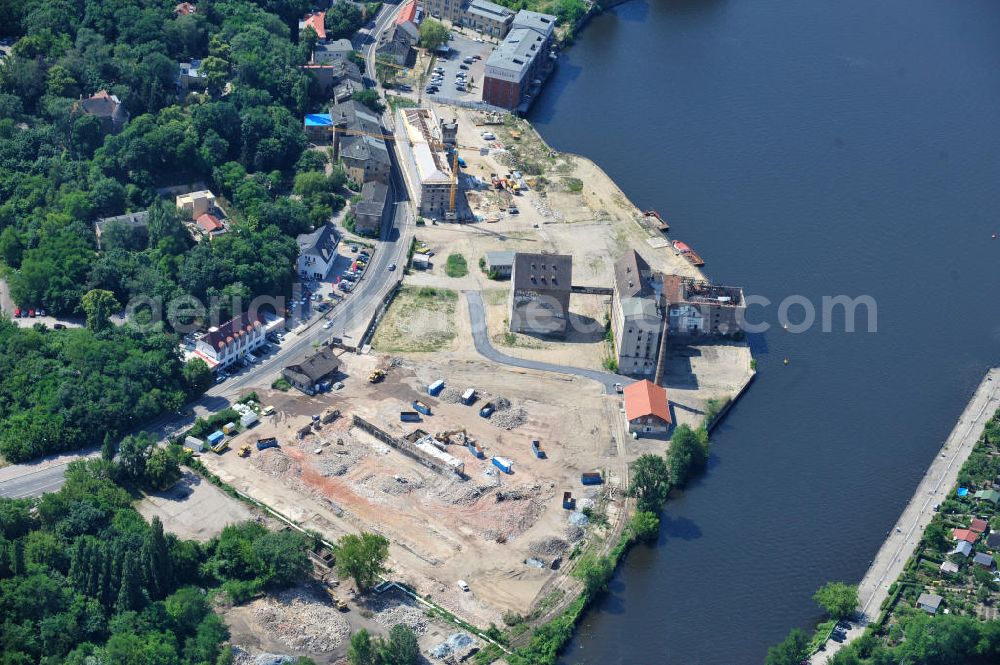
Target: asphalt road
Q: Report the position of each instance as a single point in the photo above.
(352, 314)
(481, 338)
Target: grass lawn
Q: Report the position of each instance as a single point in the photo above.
(418, 321)
(456, 266)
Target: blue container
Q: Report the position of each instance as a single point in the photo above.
(504, 464)
(435, 388)
(215, 437)
(264, 444)
(421, 407)
(469, 396)
(476, 450)
(409, 416)
(591, 478)
(537, 449)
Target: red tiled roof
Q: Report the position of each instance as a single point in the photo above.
(185, 9)
(645, 398)
(966, 535)
(209, 223)
(407, 13)
(315, 21)
(979, 526)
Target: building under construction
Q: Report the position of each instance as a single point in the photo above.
(700, 308)
(425, 143)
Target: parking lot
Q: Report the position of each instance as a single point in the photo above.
(461, 48)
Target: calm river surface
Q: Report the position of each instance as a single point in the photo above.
(814, 148)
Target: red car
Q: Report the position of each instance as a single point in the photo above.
(17, 312)
(31, 313)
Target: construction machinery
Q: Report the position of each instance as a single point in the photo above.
(376, 375)
(244, 451)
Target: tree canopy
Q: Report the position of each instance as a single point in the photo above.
(838, 599)
(433, 34)
(362, 558)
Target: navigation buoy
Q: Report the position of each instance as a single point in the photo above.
(787, 361)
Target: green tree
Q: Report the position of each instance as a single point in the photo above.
(594, 571)
(650, 482)
(133, 453)
(108, 448)
(936, 537)
(130, 596)
(401, 648)
(791, 651)
(688, 454)
(369, 98)
(362, 558)
(99, 305)
(363, 649)
(342, 20)
(433, 34)
(838, 599)
(645, 525)
(159, 569)
(197, 375)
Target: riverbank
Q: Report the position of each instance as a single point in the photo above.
(903, 539)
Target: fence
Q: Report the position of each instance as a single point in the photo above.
(402, 445)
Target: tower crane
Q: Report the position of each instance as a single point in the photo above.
(437, 145)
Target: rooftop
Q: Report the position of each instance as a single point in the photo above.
(209, 223)
(645, 398)
(232, 330)
(373, 196)
(983, 559)
(929, 600)
(543, 272)
(979, 525)
(631, 276)
(424, 133)
(322, 242)
(407, 13)
(966, 535)
(640, 307)
(102, 104)
(517, 51)
(316, 22)
(500, 258)
(543, 24)
(315, 367)
(490, 10)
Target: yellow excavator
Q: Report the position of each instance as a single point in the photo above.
(245, 451)
(376, 376)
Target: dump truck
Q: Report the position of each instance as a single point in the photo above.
(269, 442)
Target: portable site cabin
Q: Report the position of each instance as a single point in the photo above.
(194, 443)
(215, 437)
(504, 464)
(435, 388)
(469, 396)
(249, 420)
(229, 428)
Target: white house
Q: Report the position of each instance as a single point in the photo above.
(233, 340)
(197, 203)
(317, 252)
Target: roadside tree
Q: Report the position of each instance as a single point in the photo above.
(433, 34)
(362, 558)
(838, 599)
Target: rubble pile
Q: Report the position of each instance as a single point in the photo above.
(391, 610)
(275, 463)
(550, 546)
(301, 621)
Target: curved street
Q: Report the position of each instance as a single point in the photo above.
(481, 338)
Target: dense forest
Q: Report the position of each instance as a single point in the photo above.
(84, 579)
(238, 130)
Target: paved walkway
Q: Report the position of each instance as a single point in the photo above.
(932, 490)
(481, 338)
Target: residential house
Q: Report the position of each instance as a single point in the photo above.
(369, 210)
(338, 79)
(966, 535)
(132, 223)
(317, 252)
(222, 346)
(487, 18)
(191, 74)
(405, 35)
(316, 23)
(516, 68)
(315, 369)
(539, 296)
(992, 496)
(210, 225)
(357, 143)
(427, 168)
(984, 560)
(993, 541)
(962, 547)
(185, 9)
(646, 408)
(979, 525)
(699, 308)
(318, 127)
(499, 264)
(929, 602)
(196, 204)
(326, 53)
(107, 108)
(636, 316)
(949, 568)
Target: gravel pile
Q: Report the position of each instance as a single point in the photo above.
(451, 395)
(455, 644)
(574, 533)
(275, 463)
(394, 609)
(300, 620)
(550, 546)
(509, 418)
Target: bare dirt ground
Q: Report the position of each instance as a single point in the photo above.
(420, 320)
(339, 480)
(193, 508)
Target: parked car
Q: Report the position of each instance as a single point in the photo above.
(17, 312)
(392, 266)
(59, 326)
(463, 66)
(31, 313)
(41, 312)
(489, 136)
(513, 211)
(327, 325)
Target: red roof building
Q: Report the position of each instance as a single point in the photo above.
(407, 13)
(210, 224)
(646, 408)
(979, 526)
(966, 535)
(185, 9)
(316, 22)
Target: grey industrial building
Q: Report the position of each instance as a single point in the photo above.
(368, 211)
(636, 316)
(518, 66)
(540, 292)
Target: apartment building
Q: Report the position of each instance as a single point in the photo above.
(420, 136)
(636, 316)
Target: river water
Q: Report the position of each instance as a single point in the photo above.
(803, 148)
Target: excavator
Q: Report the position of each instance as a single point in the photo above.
(244, 451)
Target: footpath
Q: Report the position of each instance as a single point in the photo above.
(932, 490)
